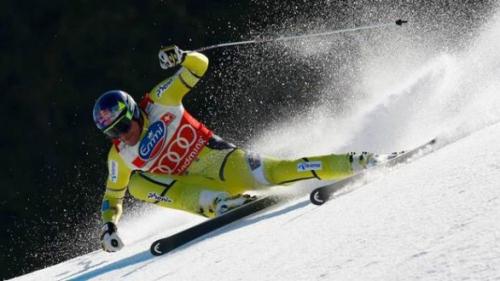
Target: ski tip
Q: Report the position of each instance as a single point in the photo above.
(155, 249)
(316, 198)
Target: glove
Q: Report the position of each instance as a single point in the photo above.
(170, 56)
(110, 241)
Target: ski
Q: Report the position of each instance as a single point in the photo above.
(167, 244)
(318, 196)
(324, 193)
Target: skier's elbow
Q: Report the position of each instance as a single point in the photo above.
(196, 62)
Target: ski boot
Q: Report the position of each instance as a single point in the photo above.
(366, 160)
(226, 203)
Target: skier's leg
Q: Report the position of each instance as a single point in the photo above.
(236, 171)
(251, 171)
(177, 194)
(326, 167)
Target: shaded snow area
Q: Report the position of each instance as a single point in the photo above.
(434, 218)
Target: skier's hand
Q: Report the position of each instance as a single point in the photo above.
(110, 241)
(170, 56)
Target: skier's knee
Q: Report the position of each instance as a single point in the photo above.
(256, 164)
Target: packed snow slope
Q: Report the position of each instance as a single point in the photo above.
(435, 218)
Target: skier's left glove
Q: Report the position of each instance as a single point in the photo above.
(171, 56)
(110, 241)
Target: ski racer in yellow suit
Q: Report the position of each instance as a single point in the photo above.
(164, 156)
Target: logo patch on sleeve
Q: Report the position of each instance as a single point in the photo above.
(163, 87)
(309, 166)
(113, 171)
(159, 198)
(105, 205)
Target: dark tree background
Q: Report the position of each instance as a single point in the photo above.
(58, 56)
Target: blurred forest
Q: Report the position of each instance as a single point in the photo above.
(59, 56)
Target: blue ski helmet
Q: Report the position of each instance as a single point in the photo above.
(114, 111)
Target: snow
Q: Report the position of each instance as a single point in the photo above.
(435, 218)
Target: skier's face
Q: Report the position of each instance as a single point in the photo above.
(131, 137)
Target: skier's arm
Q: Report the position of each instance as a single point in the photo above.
(193, 66)
(116, 186)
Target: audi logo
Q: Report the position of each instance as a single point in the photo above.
(181, 150)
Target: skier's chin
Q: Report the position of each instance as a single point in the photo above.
(131, 141)
(132, 137)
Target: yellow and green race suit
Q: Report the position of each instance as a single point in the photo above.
(179, 163)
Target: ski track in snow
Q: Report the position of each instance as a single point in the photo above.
(435, 218)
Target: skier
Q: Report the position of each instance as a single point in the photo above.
(164, 156)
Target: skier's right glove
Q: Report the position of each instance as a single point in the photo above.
(170, 56)
(110, 241)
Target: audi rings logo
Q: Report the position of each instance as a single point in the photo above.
(181, 151)
(152, 144)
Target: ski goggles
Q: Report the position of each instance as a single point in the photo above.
(121, 125)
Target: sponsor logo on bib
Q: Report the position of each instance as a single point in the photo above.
(152, 144)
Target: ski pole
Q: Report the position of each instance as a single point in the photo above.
(288, 38)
